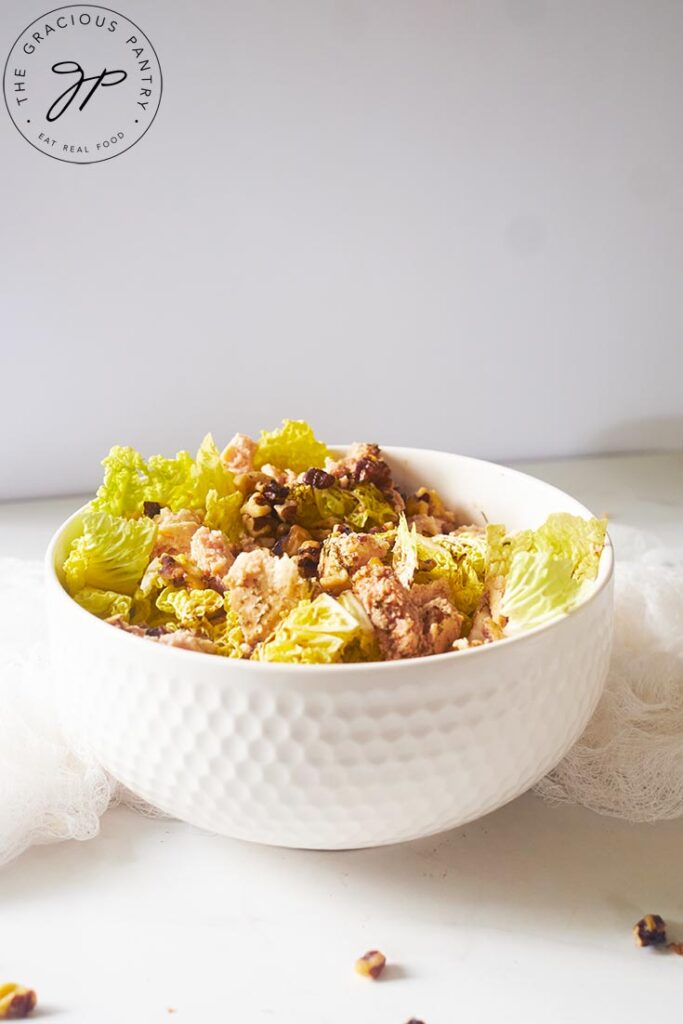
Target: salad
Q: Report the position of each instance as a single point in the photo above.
(279, 550)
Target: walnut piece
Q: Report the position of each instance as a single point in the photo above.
(371, 964)
(650, 931)
(16, 1001)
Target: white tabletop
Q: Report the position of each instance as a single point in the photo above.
(524, 915)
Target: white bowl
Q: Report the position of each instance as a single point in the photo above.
(340, 756)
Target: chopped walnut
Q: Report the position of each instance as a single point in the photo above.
(275, 493)
(318, 478)
(429, 514)
(16, 1001)
(291, 541)
(650, 931)
(171, 571)
(362, 464)
(371, 964)
(307, 558)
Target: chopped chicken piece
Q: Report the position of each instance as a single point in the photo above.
(495, 588)
(263, 588)
(343, 554)
(441, 620)
(391, 610)
(238, 456)
(211, 552)
(120, 623)
(430, 526)
(488, 623)
(429, 514)
(175, 531)
(187, 640)
(423, 593)
(184, 638)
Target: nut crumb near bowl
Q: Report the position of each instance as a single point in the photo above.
(650, 930)
(16, 1001)
(371, 964)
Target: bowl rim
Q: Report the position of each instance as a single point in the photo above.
(605, 574)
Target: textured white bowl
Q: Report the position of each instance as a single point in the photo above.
(340, 756)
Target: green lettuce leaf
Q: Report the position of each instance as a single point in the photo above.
(314, 632)
(546, 571)
(321, 508)
(122, 490)
(210, 474)
(538, 587)
(189, 607)
(292, 446)
(579, 540)
(228, 636)
(364, 647)
(224, 514)
(170, 482)
(110, 554)
(460, 560)
(372, 508)
(318, 508)
(104, 603)
(182, 482)
(405, 560)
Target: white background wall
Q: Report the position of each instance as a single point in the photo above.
(455, 223)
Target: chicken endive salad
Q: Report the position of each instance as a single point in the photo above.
(280, 550)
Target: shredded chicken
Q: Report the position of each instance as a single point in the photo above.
(430, 526)
(263, 588)
(488, 623)
(211, 552)
(186, 639)
(127, 627)
(175, 531)
(441, 620)
(238, 455)
(391, 610)
(343, 554)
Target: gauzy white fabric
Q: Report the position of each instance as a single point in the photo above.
(628, 763)
(46, 792)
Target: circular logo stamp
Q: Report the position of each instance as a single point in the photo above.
(82, 83)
